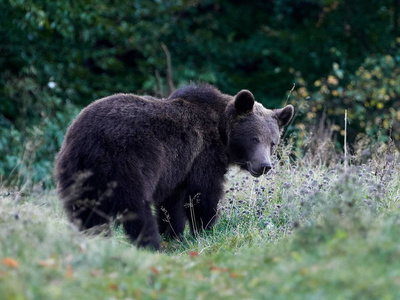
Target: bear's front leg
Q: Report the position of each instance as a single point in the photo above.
(202, 205)
(171, 216)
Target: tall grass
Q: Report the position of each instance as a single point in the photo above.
(306, 230)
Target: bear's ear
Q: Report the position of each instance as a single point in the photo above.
(244, 101)
(284, 115)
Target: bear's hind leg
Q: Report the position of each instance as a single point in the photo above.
(89, 218)
(135, 214)
(141, 227)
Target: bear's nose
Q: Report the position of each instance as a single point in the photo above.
(265, 167)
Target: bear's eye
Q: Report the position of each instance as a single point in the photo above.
(273, 146)
(255, 140)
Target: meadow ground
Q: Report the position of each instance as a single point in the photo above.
(303, 231)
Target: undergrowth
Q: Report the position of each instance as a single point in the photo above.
(305, 230)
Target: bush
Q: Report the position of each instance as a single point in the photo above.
(370, 96)
(28, 145)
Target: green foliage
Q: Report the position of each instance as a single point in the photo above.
(59, 55)
(30, 142)
(370, 96)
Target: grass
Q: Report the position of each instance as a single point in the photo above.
(303, 231)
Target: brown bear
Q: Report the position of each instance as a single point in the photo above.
(126, 156)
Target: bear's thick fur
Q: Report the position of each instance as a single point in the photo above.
(125, 153)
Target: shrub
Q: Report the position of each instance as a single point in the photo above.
(370, 96)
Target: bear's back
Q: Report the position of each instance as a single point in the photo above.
(116, 115)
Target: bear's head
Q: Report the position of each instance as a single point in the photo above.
(254, 132)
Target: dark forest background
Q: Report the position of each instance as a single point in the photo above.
(58, 56)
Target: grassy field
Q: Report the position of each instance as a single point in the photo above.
(303, 231)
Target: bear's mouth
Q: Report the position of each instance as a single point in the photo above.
(246, 166)
(254, 173)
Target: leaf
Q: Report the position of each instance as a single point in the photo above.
(50, 262)
(332, 80)
(114, 287)
(69, 272)
(10, 262)
(219, 269)
(193, 254)
(154, 270)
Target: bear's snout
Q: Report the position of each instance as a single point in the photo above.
(260, 162)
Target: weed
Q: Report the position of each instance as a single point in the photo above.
(301, 231)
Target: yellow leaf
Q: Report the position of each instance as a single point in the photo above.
(335, 93)
(333, 80)
(303, 92)
(10, 262)
(301, 126)
(366, 75)
(311, 115)
(386, 124)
